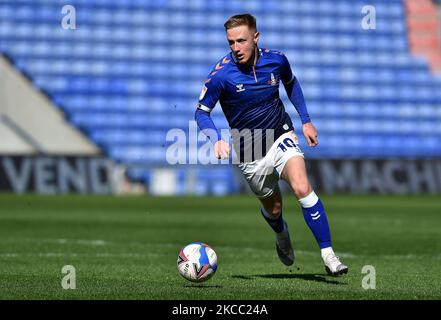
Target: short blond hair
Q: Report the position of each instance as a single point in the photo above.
(237, 20)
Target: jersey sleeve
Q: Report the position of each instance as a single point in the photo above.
(286, 74)
(211, 92)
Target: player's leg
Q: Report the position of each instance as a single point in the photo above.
(272, 213)
(263, 181)
(294, 172)
(272, 210)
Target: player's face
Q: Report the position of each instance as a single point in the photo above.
(243, 43)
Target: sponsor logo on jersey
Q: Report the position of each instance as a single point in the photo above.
(239, 87)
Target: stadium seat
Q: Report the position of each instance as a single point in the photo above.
(133, 70)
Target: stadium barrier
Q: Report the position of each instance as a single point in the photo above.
(56, 174)
(386, 176)
(99, 175)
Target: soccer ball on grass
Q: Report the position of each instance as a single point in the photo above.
(197, 262)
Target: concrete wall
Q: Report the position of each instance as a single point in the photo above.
(31, 124)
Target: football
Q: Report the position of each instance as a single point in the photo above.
(197, 262)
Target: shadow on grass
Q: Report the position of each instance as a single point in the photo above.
(307, 277)
(203, 286)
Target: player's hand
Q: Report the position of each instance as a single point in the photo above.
(310, 133)
(221, 150)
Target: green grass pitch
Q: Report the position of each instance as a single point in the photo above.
(126, 248)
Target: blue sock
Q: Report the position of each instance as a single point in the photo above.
(315, 218)
(275, 222)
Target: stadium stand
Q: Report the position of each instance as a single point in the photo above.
(133, 70)
(30, 124)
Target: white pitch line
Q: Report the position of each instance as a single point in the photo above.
(72, 241)
(58, 255)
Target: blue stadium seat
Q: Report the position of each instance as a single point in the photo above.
(134, 69)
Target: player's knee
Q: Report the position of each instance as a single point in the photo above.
(302, 190)
(276, 208)
(273, 207)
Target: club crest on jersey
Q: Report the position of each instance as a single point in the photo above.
(273, 80)
(239, 87)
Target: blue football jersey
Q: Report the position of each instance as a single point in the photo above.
(249, 96)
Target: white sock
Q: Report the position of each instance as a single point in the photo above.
(309, 201)
(326, 251)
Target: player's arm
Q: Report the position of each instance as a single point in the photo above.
(207, 100)
(295, 95)
(206, 124)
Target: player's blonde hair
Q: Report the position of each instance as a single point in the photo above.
(237, 20)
